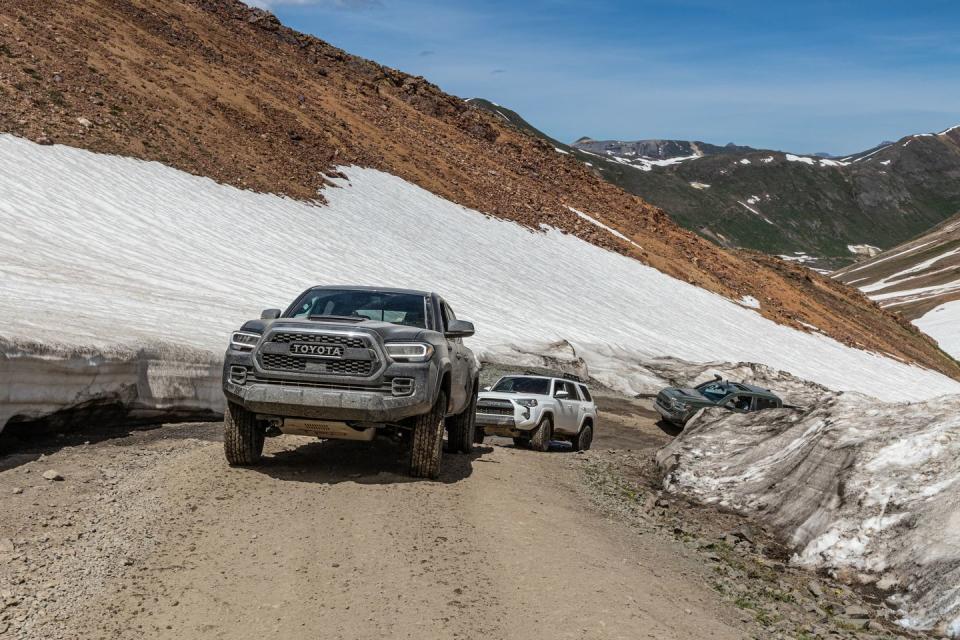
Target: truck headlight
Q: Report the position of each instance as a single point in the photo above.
(409, 351)
(244, 340)
(527, 402)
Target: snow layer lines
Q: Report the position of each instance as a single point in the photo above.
(856, 486)
(609, 229)
(101, 253)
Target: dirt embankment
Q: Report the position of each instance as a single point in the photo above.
(217, 89)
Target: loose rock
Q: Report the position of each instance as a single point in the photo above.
(52, 474)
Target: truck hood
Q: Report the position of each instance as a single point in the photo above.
(685, 395)
(386, 330)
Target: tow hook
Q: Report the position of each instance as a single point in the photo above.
(273, 429)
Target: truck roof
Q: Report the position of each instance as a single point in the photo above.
(354, 287)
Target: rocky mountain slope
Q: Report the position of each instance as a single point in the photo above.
(919, 279)
(817, 210)
(220, 90)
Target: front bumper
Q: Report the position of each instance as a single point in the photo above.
(321, 399)
(670, 416)
(515, 426)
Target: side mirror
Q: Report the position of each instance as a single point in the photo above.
(270, 314)
(459, 329)
(561, 395)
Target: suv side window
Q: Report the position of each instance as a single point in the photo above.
(585, 393)
(562, 385)
(740, 402)
(765, 403)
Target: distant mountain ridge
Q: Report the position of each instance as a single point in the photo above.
(819, 210)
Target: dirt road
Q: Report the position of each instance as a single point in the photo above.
(152, 535)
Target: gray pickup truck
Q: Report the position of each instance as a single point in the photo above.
(351, 363)
(678, 405)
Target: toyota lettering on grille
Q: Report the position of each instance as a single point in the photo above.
(316, 350)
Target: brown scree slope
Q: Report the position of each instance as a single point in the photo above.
(221, 90)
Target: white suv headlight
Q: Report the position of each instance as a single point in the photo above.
(524, 402)
(244, 340)
(409, 351)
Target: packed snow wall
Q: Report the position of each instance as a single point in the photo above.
(865, 489)
(101, 254)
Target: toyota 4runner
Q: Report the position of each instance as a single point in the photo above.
(536, 409)
(350, 363)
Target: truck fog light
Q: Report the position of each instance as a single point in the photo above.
(526, 413)
(402, 386)
(238, 375)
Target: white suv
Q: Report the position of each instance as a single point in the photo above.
(536, 409)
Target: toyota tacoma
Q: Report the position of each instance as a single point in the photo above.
(352, 363)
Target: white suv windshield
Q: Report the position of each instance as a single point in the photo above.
(516, 384)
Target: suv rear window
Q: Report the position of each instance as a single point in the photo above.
(586, 393)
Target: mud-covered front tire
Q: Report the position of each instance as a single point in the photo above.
(583, 440)
(540, 439)
(461, 428)
(242, 436)
(426, 447)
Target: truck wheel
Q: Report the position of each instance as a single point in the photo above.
(540, 440)
(583, 440)
(462, 427)
(242, 436)
(426, 450)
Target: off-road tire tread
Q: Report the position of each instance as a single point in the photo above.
(579, 442)
(426, 447)
(242, 436)
(461, 428)
(540, 440)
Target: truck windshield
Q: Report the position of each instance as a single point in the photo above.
(714, 391)
(398, 308)
(536, 386)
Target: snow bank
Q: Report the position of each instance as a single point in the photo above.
(101, 253)
(868, 490)
(941, 324)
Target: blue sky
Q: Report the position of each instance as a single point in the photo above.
(803, 75)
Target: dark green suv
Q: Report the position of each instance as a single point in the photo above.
(677, 405)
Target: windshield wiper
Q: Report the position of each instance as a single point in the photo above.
(334, 317)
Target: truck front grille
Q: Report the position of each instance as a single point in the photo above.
(324, 338)
(280, 362)
(495, 407)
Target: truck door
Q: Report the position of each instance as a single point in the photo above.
(459, 367)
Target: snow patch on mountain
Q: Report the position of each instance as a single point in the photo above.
(101, 254)
(941, 324)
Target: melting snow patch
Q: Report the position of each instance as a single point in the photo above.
(767, 160)
(863, 249)
(943, 325)
(792, 158)
(745, 161)
(559, 150)
(853, 484)
(596, 222)
(699, 185)
(750, 302)
(754, 212)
